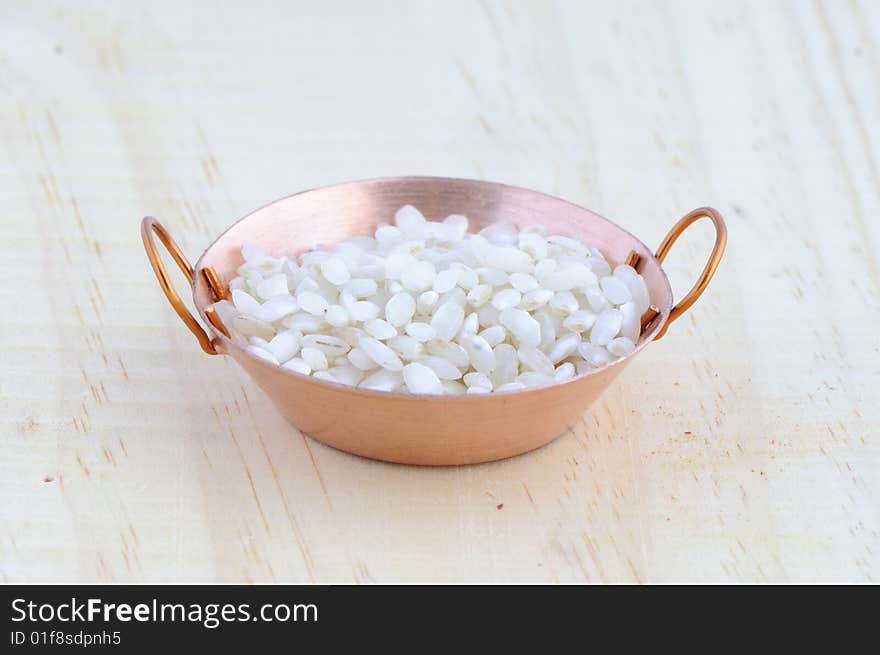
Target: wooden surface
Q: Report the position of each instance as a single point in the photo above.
(743, 447)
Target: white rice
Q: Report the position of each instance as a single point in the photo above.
(425, 307)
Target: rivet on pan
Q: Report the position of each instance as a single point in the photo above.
(214, 320)
(633, 259)
(214, 284)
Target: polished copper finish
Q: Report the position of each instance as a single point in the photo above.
(214, 283)
(214, 320)
(632, 259)
(648, 317)
(148, 226)
(708, 270)
(398, 427)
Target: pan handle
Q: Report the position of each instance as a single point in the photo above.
(148, 226)
(711, 265)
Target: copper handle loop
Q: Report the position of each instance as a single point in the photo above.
(708, 271)
(148, 226)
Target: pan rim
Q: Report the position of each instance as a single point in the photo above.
(229, 344)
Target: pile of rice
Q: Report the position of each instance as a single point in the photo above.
(427, 308)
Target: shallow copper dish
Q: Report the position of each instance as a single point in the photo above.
(396, 427)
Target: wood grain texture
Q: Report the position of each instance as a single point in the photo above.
(743, 447)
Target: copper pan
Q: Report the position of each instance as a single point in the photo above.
(396, 427)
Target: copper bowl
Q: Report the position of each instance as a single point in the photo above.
(410, 429)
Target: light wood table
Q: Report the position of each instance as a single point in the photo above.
(743, 447)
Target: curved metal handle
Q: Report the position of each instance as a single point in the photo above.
(148, 226)
(711, 265)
